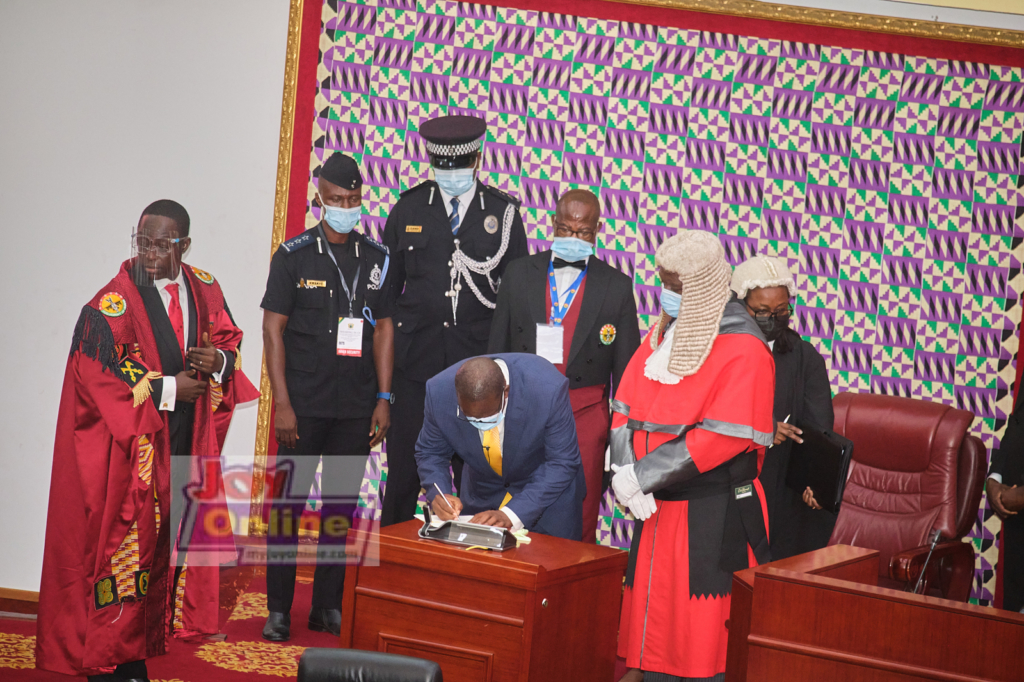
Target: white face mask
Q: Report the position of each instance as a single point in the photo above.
(455, 182)
(341, 220)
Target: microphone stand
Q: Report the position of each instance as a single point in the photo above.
(920, 578)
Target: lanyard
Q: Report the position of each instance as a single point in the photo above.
(558, 312)
(350, 295)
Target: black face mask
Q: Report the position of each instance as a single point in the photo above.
(772, 327)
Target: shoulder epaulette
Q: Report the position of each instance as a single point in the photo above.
(506, 197)
(376, 244)
(299, 242)
(422, 185)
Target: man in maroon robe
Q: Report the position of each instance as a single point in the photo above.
(146, 370)
(572, 308)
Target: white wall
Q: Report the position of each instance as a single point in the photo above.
(105, 106)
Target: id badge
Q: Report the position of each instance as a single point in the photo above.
(549, 342)
(350, 336)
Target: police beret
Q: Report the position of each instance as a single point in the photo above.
(453, 135)
(341, 170)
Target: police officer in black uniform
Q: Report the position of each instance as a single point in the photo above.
(450, 239)
(329, 346)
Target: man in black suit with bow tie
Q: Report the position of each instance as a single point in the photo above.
(570, 307)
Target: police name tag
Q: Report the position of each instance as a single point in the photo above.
(350, 336)
(549, 342)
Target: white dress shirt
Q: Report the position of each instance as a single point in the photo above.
(168, 396)
(464, 200)
(564, 277)
(516, 523)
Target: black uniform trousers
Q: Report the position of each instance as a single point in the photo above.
(403, 485)
(332, 438)
(1013, 563)
(402, 490)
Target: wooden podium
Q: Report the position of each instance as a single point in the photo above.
(548, 610)
(819, 616)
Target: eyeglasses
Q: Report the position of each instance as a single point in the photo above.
(780, 313)
(163, 246)
(461, 416)
(585, 235)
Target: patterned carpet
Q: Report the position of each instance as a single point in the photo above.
(243, 655)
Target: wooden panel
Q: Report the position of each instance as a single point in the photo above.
(382, 620)
(457, 663)
(455, 590)
(575, 633)
(19, 601)
(842, 562)
(810, 626)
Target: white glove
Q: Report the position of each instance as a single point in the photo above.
(628, 493)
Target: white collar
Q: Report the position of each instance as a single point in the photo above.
(161, 284)
(656, 367)
(503, 367)
(464, 199)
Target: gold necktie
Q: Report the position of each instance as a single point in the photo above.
(492, 451)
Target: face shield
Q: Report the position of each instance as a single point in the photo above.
(156, 252)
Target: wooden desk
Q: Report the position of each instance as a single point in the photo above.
(548, 610)
(819, 616)
(838, 561)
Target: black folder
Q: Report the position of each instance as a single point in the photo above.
(821, 462)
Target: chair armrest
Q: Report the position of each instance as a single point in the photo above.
(955, 558)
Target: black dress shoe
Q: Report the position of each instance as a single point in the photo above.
(278, 627)
(325, 620)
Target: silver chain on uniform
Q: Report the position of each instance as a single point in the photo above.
(462, 265)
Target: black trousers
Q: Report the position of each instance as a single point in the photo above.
(1013, 557)
(332, 438)
(403, 485)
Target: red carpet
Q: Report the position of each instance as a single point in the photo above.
(244, 655)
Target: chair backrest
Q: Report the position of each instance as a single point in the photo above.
(915, 470)
(352, 665)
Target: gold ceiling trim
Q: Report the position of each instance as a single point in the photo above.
(284, 164)
(859, 22)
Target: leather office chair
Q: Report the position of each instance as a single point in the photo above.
(353, 665)
(915, 471)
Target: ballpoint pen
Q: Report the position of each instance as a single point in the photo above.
(446, 498)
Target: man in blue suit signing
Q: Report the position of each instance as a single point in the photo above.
(508, 416)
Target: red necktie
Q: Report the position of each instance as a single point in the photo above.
(177, 320)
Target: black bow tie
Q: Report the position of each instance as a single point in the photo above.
(559, 263)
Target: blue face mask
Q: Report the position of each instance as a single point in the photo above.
(455, 182)
(572, 249)
(488, 423)
(341, 220)
(670, 301)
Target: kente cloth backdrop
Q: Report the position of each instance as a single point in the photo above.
(883, 168)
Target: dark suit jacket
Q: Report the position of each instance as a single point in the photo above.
(1008, 460)
(541, 465)
(607, 299)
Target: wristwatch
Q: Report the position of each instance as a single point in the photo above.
(390, 397)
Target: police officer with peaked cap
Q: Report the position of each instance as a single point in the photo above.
(451, 239)
(329, 346)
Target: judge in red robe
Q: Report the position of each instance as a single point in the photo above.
(691, 421)
(136, 411)
(587, 307)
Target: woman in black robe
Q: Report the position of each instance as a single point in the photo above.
(796, 523)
